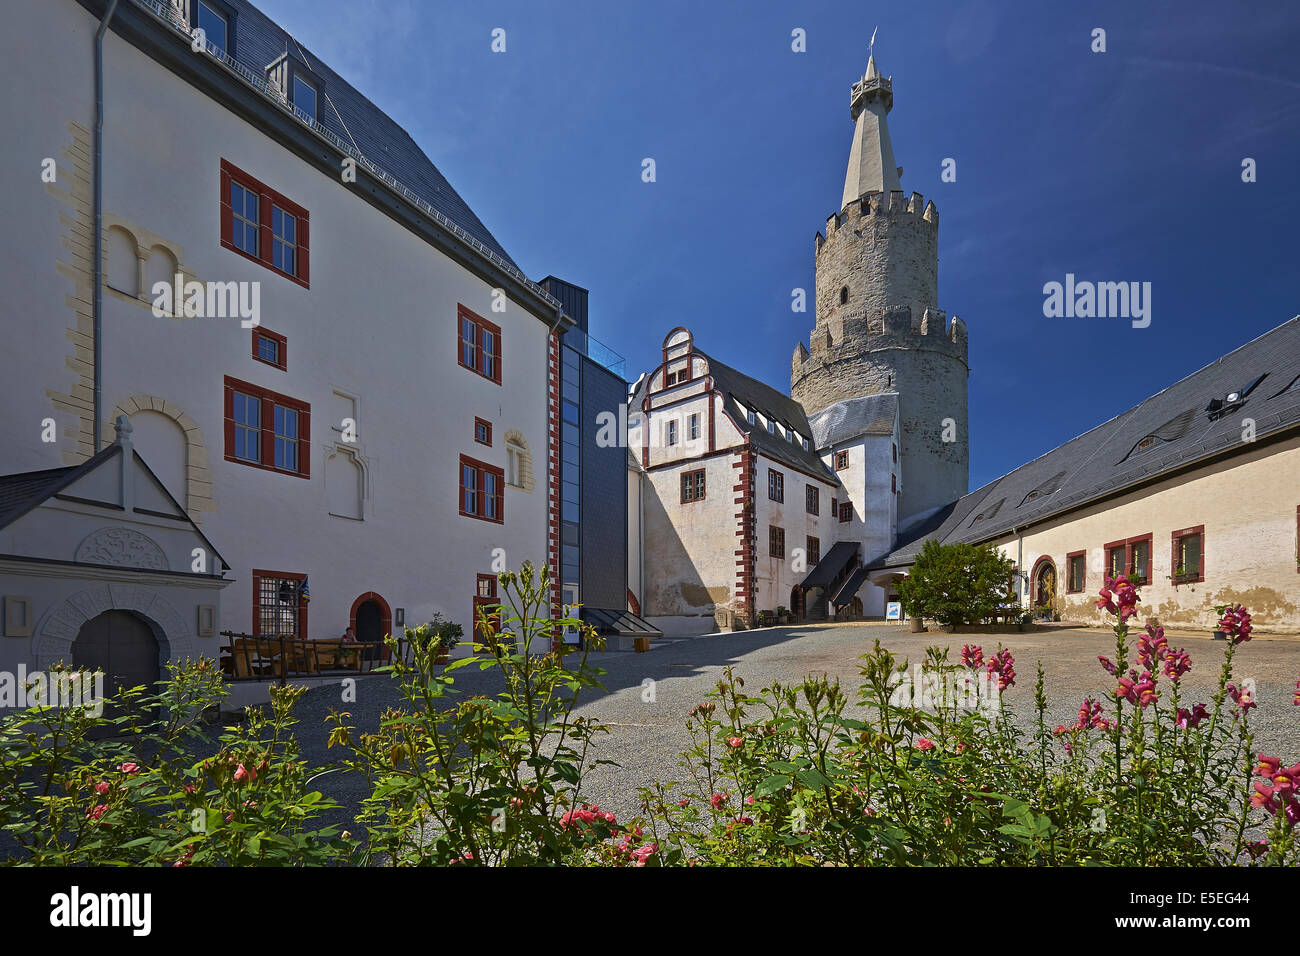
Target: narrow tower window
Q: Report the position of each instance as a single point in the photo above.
(844, 295)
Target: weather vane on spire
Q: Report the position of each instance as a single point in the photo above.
(872, 45)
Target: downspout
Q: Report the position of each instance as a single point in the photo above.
(98, 307)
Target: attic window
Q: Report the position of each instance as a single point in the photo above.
(771, 427)
(979, 517)
(1031, 496)
(303, 96)
(1146, 443)
(752, 417)
(805, 444)
(214, 24)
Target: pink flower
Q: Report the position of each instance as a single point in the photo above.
(972, 656)
(1118, 597)
(1185, 718)
(1257, 848)
(1002, 664)
(718, 799)
(1236, 622)
(749, 801)
(103, 787)
(242, 774)
(94, 813)
(1177, 663)
(1242, 697)
(1106, 664)
(734, 742)
(684, 802)
(129, 768)
(924, 743)
(1296, 701)
(1152, 647)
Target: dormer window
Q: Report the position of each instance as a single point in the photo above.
(771, 427)
(302, 94)
(805, 444)
(209, 18)
(752, 417)
(1146, 443)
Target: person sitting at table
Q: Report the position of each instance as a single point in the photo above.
(349, 636)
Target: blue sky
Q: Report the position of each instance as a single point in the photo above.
(1115, 166)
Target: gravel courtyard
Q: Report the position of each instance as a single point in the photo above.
(646, 737)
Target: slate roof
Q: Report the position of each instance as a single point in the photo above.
(752, 394)
(345, 112)
(831, 564)
(1109, 459)
(22, 492)
(854, 417)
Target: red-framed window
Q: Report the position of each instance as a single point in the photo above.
(266, 226)
(483, 431)
(775, 485)
(835, 507)
(271, 348)
(693, 486)
(814, 551)
(813, 499)
(1187, 555)
(482, 490)
(1130, 557)
(1076, 572)
(841, 460)
(776, 541)
(895, 447)
(846, 511)
(485, 596)
(265, 429)
(478, 344)
(279, 606)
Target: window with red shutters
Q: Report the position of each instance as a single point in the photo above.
(264, 429)
(482, 490)
(846, 511)
(1130, 557)
(813, 499)
(1076, 572)
(483, 431)
(478, 344)
(266, 226)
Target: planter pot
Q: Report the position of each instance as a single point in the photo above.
(443, 657)
(918, 625)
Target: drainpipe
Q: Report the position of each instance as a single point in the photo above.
(98, 308)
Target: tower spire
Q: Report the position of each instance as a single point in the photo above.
(871, 159)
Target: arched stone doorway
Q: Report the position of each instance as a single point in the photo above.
(797, 607)
(125, 647)
(1044, 579)
(372, 620)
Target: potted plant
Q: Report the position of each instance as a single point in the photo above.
(1026, 618)
(448, 635)
(1218, 633)
(782, 614)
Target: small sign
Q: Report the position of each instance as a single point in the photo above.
(399, 617)
(894, 611)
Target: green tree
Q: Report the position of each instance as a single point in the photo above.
(956, 583)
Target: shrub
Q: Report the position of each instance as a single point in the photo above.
(147, 794)
(956, 583)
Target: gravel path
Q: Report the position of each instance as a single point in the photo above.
(646, 737)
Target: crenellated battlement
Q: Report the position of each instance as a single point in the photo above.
(896, 328)
(882, 213)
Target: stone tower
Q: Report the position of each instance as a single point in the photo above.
(879, 327)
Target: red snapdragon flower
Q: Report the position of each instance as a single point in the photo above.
(1242, 697)
(1236, 622)
(1106, 664)
(1177, 663)
(103, 787)
(1152, 647)
(972, 656)
(1002, 664)
(1190, 718)
(718, 799)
